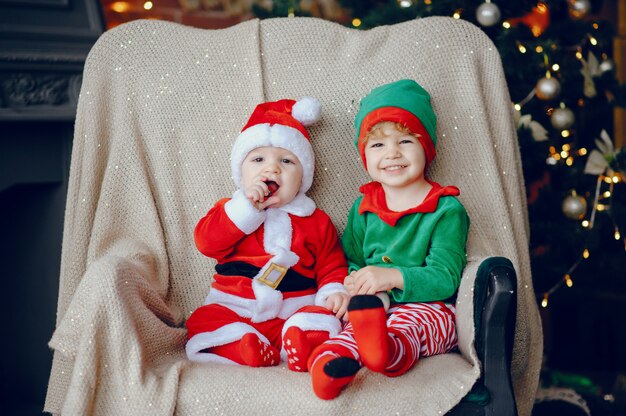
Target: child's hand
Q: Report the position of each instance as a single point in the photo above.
(372, 279)
(338, 303)
(348, 283)
(258, 191)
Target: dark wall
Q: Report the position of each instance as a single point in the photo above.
(43, 46)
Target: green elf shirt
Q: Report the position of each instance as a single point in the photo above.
(426, 243)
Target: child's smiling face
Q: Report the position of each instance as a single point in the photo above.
(273, 164)
(394, 158)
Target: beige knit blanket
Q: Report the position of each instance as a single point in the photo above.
(159, 108)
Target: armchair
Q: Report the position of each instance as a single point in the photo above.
(159, 107)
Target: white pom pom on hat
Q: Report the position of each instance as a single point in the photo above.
(307, 110)
(282, 124)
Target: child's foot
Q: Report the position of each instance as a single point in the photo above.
(331, 373)
(298, 345)
(369, 321)
(257, 353)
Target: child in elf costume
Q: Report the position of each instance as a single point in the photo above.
(278, 289)
(405, 236)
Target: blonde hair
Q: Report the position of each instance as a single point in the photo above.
(377, 130)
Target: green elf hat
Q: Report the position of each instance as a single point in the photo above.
(404, 102)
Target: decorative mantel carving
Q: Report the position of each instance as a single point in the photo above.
(43, 47)
(19, 90)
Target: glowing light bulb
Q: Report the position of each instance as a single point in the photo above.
(617, 235)
(556, 67)
(544, 301)
(586, 254)
(356, 22)
(148, 5)
(585, 223)
(568, 280)
(506, 25)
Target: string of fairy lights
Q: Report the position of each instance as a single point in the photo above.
(548, 88)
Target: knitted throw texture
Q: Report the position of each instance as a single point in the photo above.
(159, 109)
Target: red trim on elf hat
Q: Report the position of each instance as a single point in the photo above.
(397, 115)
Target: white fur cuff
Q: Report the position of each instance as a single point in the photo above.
(325, 291)
(243, 214)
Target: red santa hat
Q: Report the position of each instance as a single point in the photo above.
(282, 124)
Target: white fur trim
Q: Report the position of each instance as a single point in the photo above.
(243, 214)
(221, 336)
(307, 110)
(310, 321)
(325, 291)
(246, 307)
(300, 206)
(277, 236)
(278, 135)
(291, 305)
(268, 302)
(276, 241)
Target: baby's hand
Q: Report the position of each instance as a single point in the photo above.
(338, 303)
(258, 191)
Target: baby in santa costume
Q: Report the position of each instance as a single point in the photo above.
(405, 236)
(278, 288)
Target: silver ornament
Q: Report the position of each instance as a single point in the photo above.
(562, 118)
(488, 14)
(574, 206)
(548, 88)
(606, 66)
(579, 8)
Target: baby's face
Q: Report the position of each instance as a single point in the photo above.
(265, 164)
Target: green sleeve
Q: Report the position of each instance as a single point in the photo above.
(352, 239)
(440, 276)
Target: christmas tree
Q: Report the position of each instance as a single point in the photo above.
(557, 58)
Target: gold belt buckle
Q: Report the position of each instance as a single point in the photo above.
(273, 275)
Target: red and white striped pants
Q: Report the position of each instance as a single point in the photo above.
(416, 329)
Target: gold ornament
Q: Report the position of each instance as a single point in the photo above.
(548, 88)
(579, 8)
(574, 206)
(562, 118)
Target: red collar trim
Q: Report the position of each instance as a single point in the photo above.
(374, 201)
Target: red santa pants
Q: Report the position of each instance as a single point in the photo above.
(216, 325)
(416, 329)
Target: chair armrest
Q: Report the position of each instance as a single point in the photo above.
(495, 302)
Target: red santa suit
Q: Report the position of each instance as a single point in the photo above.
(296, 242)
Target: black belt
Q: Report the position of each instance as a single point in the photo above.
(292, 282)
